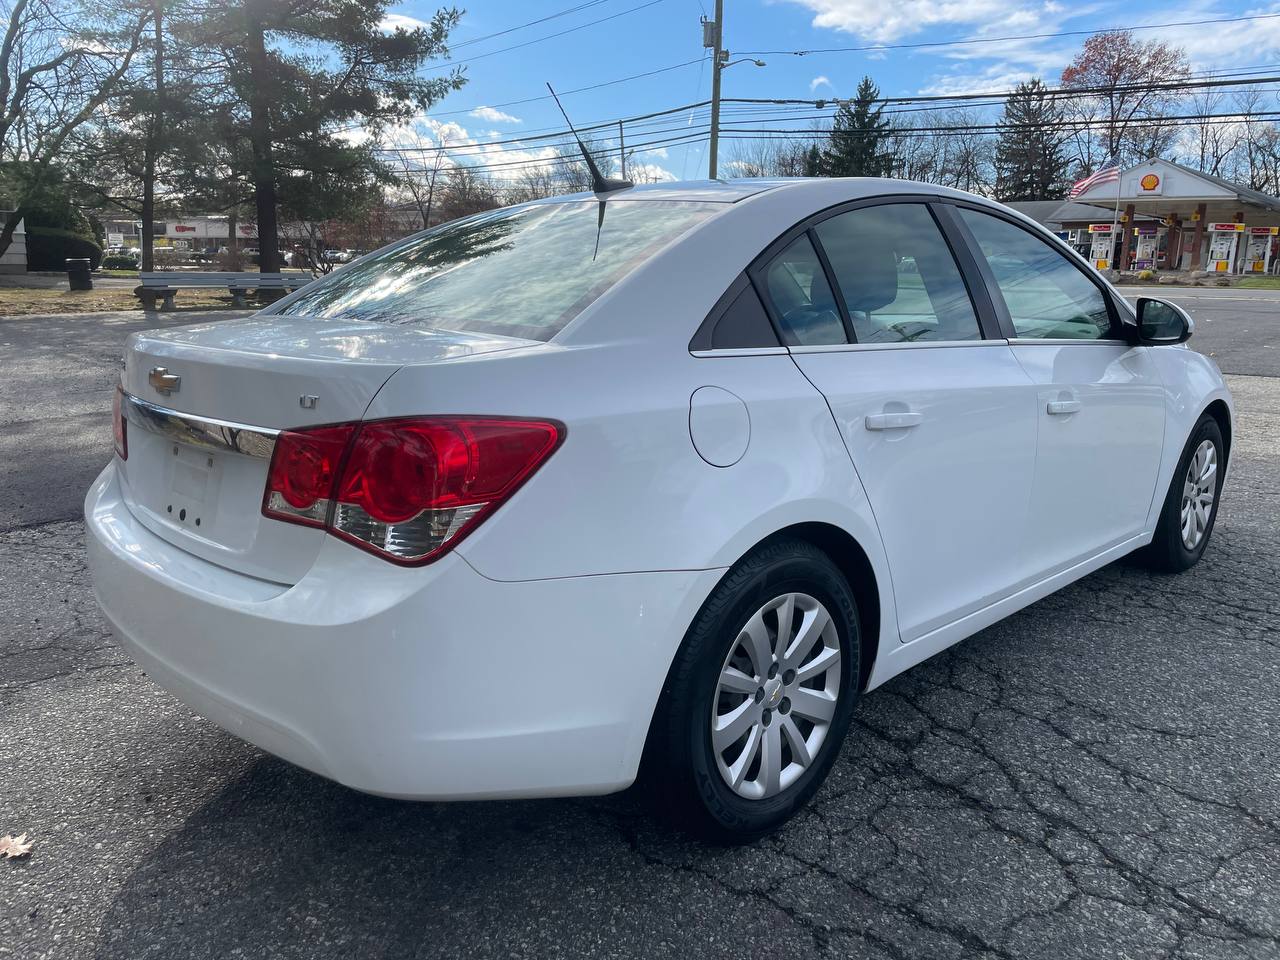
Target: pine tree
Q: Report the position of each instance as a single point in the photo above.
(1029, 161)
(812, 162)
(295, 77)
(856, 147)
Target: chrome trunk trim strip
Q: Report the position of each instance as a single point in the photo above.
(222, 436)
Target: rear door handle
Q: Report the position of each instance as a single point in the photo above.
(893, 421)
(1060, 407)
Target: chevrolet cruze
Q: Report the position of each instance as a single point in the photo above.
(653, 483)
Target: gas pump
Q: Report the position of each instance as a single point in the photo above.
(1223, 238)
(1148, 244)
(1102, 235)
(1257, 256)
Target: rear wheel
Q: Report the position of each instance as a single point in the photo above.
(1191, 505)
(759, 697)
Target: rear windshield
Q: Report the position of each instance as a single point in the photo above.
(519, 272)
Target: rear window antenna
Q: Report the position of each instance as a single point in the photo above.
(599, 182)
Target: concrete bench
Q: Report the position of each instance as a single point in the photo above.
(162, 285)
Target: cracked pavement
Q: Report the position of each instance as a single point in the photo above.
(1096, 777)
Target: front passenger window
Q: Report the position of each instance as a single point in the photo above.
(1048, 296)
(798, 289)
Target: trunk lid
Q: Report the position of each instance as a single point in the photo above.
(195, 475)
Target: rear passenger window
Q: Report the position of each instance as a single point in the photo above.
(744, 324)
(897, 275)
(798, 288)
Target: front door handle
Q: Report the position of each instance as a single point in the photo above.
(1061, 407)
(893, 421)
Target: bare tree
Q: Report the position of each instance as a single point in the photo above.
(1257, 158)
(466, 191)
(915, 152)
(60, 62)
(1212, 142)
(419, 166)
(1124, 78)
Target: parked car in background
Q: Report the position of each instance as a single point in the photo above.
(119, 250)
(251, 255)
(654, 483)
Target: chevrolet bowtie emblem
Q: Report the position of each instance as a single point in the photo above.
(164, 381)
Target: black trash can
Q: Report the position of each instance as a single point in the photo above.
(78, 275)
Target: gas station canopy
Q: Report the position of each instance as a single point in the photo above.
(1204, 222)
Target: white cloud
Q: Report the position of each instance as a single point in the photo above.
(819, 81)
(887, 22)
(995, 79)
(649, 173)
(998, 66)
(393, 21)
(491, 115)
(659, 152)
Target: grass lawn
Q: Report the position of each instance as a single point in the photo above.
(25, 303)
(1260, 283)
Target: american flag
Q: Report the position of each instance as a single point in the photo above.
(1109, 172)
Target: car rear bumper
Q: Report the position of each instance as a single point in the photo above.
(429, 683)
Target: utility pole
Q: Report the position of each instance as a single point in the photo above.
(713, 36)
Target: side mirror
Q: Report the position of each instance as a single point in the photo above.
(1162, 322)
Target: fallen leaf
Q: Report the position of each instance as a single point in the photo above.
(11, 847)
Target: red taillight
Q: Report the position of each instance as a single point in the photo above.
(119, 425)
(304, 468)
(406, 489)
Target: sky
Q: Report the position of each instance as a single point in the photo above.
(659, 44)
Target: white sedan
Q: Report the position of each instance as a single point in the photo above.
(654, 483)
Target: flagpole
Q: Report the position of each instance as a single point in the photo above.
(1115, 219)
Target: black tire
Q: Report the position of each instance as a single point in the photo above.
(1167, 552)
(680, 768)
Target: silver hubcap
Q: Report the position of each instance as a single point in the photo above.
(776, 696)
(1198, 491)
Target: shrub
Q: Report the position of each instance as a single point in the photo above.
(49, 248)
(1146, 274)
(119, 262)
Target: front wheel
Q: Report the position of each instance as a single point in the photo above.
(759, 697)
(1191, 505)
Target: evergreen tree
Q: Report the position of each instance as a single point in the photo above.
(856, 147)
(132, 155)
(1029, 161)
(294, 77)
(812, 162)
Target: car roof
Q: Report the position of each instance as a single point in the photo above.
(734, 190)
(722, 191)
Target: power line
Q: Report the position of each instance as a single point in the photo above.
(560, 133)
(701, 135)
(550, 36)
(968, 41)
(752, 108)
(531, 23)
(1048, 92)
(1212, 119)
(565, 93)
(688, 137)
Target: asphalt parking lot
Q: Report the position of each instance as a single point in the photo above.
(1096, 777)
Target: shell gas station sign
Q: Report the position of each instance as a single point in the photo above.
(1151, 184)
